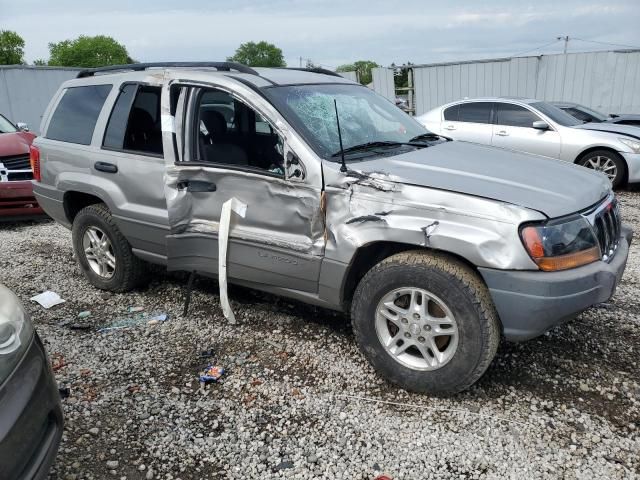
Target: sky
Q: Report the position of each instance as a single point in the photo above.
(329, 32)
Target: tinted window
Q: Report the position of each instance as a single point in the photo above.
(556, 114)
(117, 126)
(477, 112)
(515, 115)
(451, 113)
(77, 113)
(134, 124)
(585, 117)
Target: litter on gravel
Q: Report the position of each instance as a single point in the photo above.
(48, 299)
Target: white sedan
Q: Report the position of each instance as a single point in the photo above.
(537, 127)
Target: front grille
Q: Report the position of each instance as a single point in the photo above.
(16, 162)
(19, 175)
(606, 222)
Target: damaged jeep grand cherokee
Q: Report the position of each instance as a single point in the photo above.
(307, 185)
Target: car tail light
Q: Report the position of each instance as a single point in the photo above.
(34, 158)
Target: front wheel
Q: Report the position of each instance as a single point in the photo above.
(607, 162)
(426, 322)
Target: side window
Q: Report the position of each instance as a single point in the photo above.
(515, 116)
(451, 113)
(77, 112)
(580, 115)
(134, 124)
(232, 133)
(475, 112)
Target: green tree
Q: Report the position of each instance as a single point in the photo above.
(98, 51)
(40, 62)
(362, 69)
(261, 54)
(11, 48)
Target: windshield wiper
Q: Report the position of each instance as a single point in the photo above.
(425, 136)
(367, 146)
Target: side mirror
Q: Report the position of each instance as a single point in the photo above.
(23, 127)
(540, 125)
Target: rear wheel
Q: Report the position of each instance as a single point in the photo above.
(103, 253)
(426, 322)
(607, 162)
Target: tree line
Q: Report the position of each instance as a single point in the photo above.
(101, 50)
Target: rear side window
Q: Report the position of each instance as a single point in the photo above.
(515, 116)
(77, 113)
(477, 112)
(451, 113)
(134, 124)
(580, 115)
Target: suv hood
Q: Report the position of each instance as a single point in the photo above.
(552, 187)
(615, 128)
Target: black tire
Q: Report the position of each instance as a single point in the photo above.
(129, 273)
(621, 165)
(466, 296)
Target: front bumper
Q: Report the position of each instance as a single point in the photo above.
(531, 302)
(17, 200)
(30, 418)
(633, 166)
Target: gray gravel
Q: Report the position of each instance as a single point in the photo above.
(299, 401)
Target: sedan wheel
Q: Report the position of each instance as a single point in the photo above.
(607, 162)
(602, 164)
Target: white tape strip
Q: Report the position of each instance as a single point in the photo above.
(166, 122)
(223, 246)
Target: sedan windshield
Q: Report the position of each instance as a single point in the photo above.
(556, 114)
(6, 126)
(367, 120)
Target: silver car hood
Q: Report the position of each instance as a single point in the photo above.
(615, 128)
(552, 187)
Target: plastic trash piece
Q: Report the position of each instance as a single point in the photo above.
(212, 374)
(135, 309)
(84, 314)
(80, 326)
(48, 299)
(233, 204)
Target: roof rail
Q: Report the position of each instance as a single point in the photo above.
(324, 71)
(222, 66)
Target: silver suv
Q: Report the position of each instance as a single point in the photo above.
(308, 185)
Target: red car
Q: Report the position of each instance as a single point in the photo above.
(16, 196)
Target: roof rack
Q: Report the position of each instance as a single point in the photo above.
(222, 66)
(324, 71)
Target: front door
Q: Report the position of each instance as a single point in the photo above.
(514, 130)
(236, 146)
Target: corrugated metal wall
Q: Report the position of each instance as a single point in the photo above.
(383, 82)
(25, 91)
(606, 81)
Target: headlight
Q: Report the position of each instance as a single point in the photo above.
(631, 143)
(561, 244)
(15, 332)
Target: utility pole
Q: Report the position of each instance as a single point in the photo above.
(566, 42)
(300, 62)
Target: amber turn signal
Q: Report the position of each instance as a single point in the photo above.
(534, 243)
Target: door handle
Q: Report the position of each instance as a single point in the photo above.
(450, 127)
(106, 167)
(197, 186)
(502, 133)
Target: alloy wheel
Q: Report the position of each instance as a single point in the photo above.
(416, 328)
(603, 164)
(99, 252)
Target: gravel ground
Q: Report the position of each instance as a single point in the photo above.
(299, 401)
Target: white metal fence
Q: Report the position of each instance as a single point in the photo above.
(606, 81)
(26, 91)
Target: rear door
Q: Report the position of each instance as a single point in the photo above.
(131, 157)
(514, 129)
(469, 121)
(251, 155)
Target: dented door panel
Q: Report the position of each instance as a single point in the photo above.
(279, 242)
